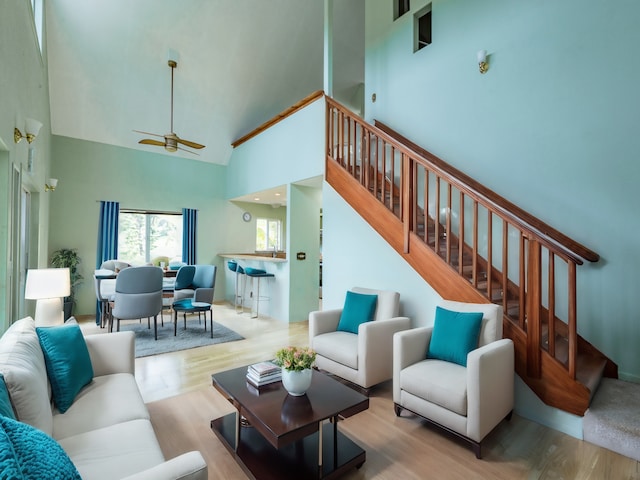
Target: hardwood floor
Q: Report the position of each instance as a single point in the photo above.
(177, 388)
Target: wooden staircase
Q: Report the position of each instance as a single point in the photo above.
(472, 245)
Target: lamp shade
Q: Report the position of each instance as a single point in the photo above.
(47, 283)
(33, 126)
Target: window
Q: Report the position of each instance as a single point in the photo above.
(142, 236)
(422, 28)
(268, 234)
(37, 6)
(400, 7)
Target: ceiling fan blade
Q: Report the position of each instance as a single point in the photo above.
(189, 143)
(148, 141)
(188, 151)
(149, 133)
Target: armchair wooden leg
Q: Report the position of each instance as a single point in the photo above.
(155, 326)
(477, 449)
(398, 409)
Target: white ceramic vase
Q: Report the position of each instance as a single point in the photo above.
(296, 383)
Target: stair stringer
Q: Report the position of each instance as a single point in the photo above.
(555, 387)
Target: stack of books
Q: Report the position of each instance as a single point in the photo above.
(263, 373)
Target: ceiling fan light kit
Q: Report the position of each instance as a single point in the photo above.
(171, 140)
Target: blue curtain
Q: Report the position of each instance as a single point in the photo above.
(107, 237)
(189, 217)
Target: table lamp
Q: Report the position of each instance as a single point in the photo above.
(48, 286)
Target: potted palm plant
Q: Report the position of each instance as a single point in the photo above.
(68, 258)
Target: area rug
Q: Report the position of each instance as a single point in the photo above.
(194, 336)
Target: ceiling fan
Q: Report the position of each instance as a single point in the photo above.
(171, 140)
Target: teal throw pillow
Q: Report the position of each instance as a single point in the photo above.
(67, 360)
(358, 308)
(454, 335)
(27, 453)
(6, 409)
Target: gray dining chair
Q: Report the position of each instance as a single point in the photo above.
(196, 282)
(138, 295)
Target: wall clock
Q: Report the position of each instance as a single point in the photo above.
(246, 216)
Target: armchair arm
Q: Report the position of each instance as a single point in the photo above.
(409, 347)
(323, 321)
(203, 295)
(490, 387)
(112, 353)
(188, 466)
(375, 348)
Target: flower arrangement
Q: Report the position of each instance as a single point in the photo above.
(295, 358)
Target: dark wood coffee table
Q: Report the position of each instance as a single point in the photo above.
(277, 436)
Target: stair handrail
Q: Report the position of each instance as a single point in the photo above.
(312, 97)
(556, 241)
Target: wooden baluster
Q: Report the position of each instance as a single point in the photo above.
(461, 236)
(365, 157)
(383, 172)
(363, 149)
(572, 313)
(392, 179)
(489, 253)
(340, 138)
(426, 206)
(552, 305)
(348, 143)
(534, 301)
(505, 266)
(414, 196)
(329, 130)
(474, 274)
(522, 285)
(405, 213)
(375, 167)
(448, 226)
(365, 173)
(437, 217)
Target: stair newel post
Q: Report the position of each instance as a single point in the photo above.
(573, 324)
(406, 189)
(533, 302)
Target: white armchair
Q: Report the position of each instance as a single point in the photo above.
(468, 401)
(364, 358)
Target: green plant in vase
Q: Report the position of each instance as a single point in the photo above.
(68, 258)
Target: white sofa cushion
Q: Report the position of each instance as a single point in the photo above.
(442, 383)
(25, 374)
(341, 347)
(114, 452)
(117, 399)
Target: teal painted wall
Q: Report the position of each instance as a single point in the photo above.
(305, 204)
(24, 93)
(290, 151)
(90, 172)
(551, 126)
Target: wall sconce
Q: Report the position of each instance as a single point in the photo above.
(48, 286)
(50, 185)
(483, 64)
(32, 128)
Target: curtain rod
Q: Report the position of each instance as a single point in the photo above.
(141, 210)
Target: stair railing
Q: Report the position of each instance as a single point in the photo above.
(506, 253)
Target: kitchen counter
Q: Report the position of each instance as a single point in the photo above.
(252, 256)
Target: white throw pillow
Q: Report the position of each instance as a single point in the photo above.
(25, 374)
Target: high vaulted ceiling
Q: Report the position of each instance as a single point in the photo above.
(240, 63)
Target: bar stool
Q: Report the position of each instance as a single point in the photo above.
(238, 300)
(256, 274)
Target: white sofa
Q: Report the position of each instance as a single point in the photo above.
(106, 432)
